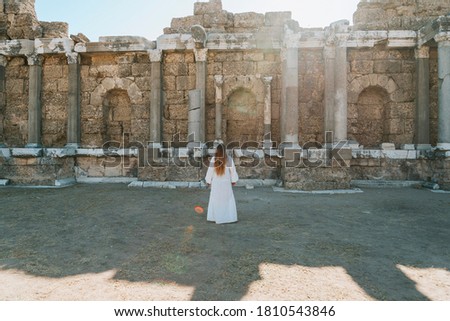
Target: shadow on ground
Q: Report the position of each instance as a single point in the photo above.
(151, 235)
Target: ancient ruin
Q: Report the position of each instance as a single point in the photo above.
(303, 108)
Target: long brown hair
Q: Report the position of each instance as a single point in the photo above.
(220, 162)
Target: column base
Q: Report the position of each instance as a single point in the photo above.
(154, 145)
(72, 145)
(33, 145)
(443, 146)
(423, 147)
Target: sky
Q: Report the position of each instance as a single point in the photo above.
(148, 18)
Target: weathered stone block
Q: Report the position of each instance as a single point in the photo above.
(362, 66)
(54, 29)
(219, 19)
(309, 179)
(239, 68)
(277, 18)
(183, 25)
(248, 20)
(213, 6)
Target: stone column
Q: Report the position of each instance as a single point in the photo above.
(329, 54)
(73, 112)
(194, 116)
(340, 82)
(444, 90)
(155, 100)
(218, 81)
(200, 64)
(34, 104)
(289, 97)
(3, 63)
(267, 111)
(422, 135)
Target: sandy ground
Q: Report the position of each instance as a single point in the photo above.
(111, 242)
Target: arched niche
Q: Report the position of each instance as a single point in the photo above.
(243, 109)
(116, 118)
(242, 116)
(115, 108)
(368, 118)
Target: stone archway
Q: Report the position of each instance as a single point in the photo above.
(243, 109)
(369, 126)
(368, 104)
(112, 111)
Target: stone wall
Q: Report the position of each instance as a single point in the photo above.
(311, 96)
(18, 20)
(115, 99)
(398, 14)
(178, 80)
(120, 85)
(54, 101)
(382, 96)
(15, 112)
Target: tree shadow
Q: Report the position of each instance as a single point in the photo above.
(152, 235)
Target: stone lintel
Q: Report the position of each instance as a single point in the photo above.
(53, 46)
(175, 42)
(305, 39)
(16, 47)
(394, 38)
(114, 46)
(402, 38)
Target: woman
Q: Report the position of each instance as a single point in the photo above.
(221, 176)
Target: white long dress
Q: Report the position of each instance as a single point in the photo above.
(222, 205)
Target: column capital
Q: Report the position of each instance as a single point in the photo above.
(218, 80)
(73, 58)
(35, 59)
(443, 38)
(155, 55)
(341, 39)
(267, 80)
(201, 55)
(422, 52)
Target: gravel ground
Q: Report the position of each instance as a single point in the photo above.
(112, 242)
